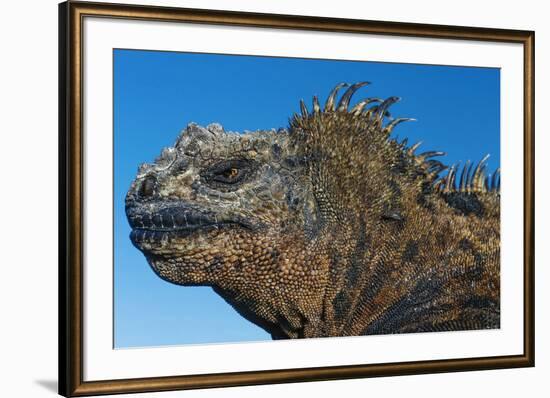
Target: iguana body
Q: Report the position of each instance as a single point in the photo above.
(329, 228)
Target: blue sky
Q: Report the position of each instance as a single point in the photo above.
(156, 94)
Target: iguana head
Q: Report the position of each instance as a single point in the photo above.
(227, 210)
(208, 204)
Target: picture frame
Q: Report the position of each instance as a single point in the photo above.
(75, 297)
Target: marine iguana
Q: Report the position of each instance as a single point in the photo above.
(327, 228)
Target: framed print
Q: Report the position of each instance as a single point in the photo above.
(252, 199)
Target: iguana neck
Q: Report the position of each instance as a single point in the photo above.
(293, 311)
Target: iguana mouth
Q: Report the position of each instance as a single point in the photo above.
(147, 235)
(175, 222)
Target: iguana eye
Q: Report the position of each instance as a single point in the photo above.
(228, 173)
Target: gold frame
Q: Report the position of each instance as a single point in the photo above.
(71, 16)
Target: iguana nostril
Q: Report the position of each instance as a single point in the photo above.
(147, 187)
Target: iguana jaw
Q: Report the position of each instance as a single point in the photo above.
(185, 244)
(155, 228)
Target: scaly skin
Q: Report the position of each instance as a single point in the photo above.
(329, 228)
